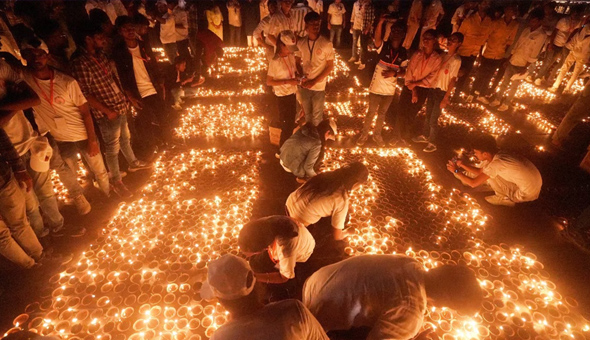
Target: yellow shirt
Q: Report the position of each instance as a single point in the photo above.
(501, 35)
(476, 33)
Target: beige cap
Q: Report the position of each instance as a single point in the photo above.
(229, 277)
(41, 153)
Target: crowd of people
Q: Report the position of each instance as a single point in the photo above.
(93, 86)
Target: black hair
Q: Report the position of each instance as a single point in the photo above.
(431, 32)
(537, 13)
(331, 182)
(86, 29)
(311, 16)
(274, 2)
(400, 24)
(484, 143)
(578, 9)
(140, 19)
(98, 16)
(179, 60)
(123, 20)
(323, 127)
(259, 234)
(459, 36)
(44, 28)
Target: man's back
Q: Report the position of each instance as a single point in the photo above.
(284, 320)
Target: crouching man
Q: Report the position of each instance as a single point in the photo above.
(514, 179)
(386, 295)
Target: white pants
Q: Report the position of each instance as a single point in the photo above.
(567, 64)
(508, 189)
(252, 42)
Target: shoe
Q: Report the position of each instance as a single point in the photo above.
(469, 99)
(529, 79)
(138, 165)
(378, 140)
(420, 139)
(351, 59)
(552, 89)
(361, 67)
(120, 189)
(77, 232)
(495, 103)
(430, 148)
(538, 81)
(362, 140)
(123, 174)
(53, 259)
(499, 200)
(82, 205)
(177, 107)
(483, 100)
(398, 143)
(503, 108)
(358, 62)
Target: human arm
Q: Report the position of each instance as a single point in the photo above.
(446, 99)
(93, 148)
(326, 72)
(480, 176)
(378, 37)
(429, 78)
(274, 277)
(270, 81)
(10, 156)
(181, 19)
(339, 217)
(20, 97)
(84, 80)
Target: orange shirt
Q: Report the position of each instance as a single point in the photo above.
(476, 32)
(501, 35)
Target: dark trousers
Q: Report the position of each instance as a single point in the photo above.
(484, 75)
(287, 113)
(464, 71)
(433, 111)
(407, 111)
(504, 63)
(197, 52)
(235, 35)
(152, 122)
(170, 50)
(183, 49)
(365, 39)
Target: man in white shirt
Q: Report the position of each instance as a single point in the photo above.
(525, 52)
(167, 29)
(316, 61)
(556, 50)
(232, 282)
(362, 19)
(316, 6)
(234, 18)
(423, 13)
(298, 13)
(579, 47)
(336, 22)
(461, 13)
(261, 31)
(280, 21)
(514, 179)
(388, 294)
(180, 28)
(65, 113)
(22, 136)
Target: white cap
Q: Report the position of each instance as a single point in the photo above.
(334, 129)
(288, 38)
(41, 153)
(34, 43)
(227, 278)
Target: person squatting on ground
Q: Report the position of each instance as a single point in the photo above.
(393, 60)
(514, 179)
(327, 195)
(231, 281)
(387, 295)
(303, 152)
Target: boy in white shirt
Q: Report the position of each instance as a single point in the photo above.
(440, 95)
(579, 47)
(336, 21)
(317, 61)
(65, 113)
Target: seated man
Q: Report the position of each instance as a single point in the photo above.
(387, 293)
(232, 282)
(514, 179)
(175, 79)
(303, 150)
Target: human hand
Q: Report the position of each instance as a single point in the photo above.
(452, 167)
(24, 180)
(459, 163)
(93, 148)
(309, 83)
(424, 335)
(293, 81)
(136, 103)
(111, 114)
(389, 73)
(444, 102)
(329, 26)
(414, 96)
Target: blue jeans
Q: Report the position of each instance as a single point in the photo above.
(116, 137)
(42, 196)
(356, 35)
(67, 176)
(378, 105)
(430, 131)
(312, 103)
(508, 83)
(69, 153)
(336, 32)
(18, 242)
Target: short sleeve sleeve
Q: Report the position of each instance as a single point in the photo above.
(340, 212)
(76, 93)
(330, 55)
(456, 67)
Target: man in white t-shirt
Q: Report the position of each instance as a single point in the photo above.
(514, 179)
(579, 47)
(167, 29)
(65, 113)
(137, 69)
(261, 31)
(234, 18)
(280, 21)
(388, 294)
(316, 62)
(336, 22)
(22, 135)
(232, 282)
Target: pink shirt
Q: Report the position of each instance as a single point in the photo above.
(423, 70)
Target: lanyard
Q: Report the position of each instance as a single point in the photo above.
(311, 49)
(104, 69)
(288, 68)
(50, 97)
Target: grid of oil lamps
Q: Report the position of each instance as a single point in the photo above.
(140, 279)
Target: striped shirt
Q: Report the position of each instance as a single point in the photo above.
(298, 14)
(97, 78)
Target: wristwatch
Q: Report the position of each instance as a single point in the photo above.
(456, 171)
